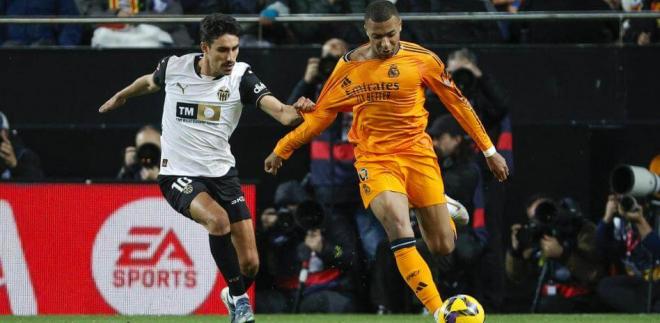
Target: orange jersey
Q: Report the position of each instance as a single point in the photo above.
(387, 100)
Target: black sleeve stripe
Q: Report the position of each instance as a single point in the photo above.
(251, 88)
(159, 73)
(261, 97)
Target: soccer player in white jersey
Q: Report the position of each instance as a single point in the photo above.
(204, 97)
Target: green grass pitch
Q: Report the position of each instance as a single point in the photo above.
(583, 318)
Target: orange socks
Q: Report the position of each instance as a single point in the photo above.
(416, 273)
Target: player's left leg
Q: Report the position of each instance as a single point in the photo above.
(437, 228)
(426, 193)
(227, 191)
(243, 240)
(382, 188)
(438, 232)
(242, 235)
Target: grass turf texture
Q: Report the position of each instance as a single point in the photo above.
(539, 318)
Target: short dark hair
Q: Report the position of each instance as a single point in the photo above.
(216, 25)
(379, 11)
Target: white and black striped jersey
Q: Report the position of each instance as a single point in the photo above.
(200, 113)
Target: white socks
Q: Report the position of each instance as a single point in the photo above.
(436, 314)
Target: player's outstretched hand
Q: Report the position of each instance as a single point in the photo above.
(272, 163)
(497, 165)
(304, 105)
(114, 103)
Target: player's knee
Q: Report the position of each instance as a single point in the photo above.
(250, 266)
(217, 225)
(396, 224)
(400, 226)
(442, 246)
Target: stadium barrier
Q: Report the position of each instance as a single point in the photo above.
(548, 16)
(316, 18)
(103, 249)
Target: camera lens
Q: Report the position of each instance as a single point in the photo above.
(545, 211)
(148, 155)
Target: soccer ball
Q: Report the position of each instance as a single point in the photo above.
(461, 309)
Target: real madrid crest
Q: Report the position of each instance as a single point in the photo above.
(393, 72)
(223, 93)
(364, 175)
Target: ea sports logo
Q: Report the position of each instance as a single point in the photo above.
(147, 259)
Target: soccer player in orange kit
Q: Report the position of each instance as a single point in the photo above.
(383, 83)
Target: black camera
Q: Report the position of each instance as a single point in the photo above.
(285, 222)
(551, 219)
(465, 80)
(308, 216)
(326, 66)
(148, 155)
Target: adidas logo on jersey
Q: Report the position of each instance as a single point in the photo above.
(346, 82)
(259, 87)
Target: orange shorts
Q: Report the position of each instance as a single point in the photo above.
(417, 176)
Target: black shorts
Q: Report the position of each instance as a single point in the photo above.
(179, 191)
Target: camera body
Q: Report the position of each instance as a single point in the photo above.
(285, 222)
(148, 155)
(308, 216)
(465, 80)
(327, 64)
(550, 219)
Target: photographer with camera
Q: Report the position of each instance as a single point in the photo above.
(141, 162)
(555, 247)
(318, 70)
(17, 162)
(628, 243)
(491, 105)
(308, 267)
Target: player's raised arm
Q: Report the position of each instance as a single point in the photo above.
(288, 115)
(331, 101)
(438, 79)
(144, 84)
(315, 123)
(253, 91)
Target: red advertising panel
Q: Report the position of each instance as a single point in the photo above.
(103, 249)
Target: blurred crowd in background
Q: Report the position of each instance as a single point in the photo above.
(270, 31)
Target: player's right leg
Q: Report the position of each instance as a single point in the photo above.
(391, 209)
(205, 210)
(190, 197)
(226, 190)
